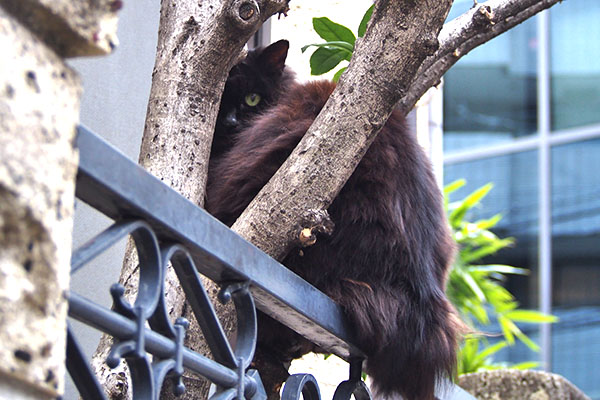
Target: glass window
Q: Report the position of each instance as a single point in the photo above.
(575, 63)
(490, 94)
(576, 263)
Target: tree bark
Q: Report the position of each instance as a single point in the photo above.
(403, 53)
(198, 42)
(480, 24)
(400, 35)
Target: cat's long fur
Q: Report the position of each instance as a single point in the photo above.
(387, 260)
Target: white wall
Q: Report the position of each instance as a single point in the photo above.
(116, 90)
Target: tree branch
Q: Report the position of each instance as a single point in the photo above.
(198, 43)
(400, 36)
(480, 24)
(398, 67)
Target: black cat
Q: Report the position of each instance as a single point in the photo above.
(386, 262)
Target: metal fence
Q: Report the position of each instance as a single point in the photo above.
(167, 228)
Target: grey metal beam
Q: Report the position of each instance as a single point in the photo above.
(111, 183)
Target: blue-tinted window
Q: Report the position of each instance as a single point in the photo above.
(576, 263)
(490, 95)
(575, 63)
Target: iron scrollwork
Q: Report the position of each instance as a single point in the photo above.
(164, 340)
(116, 186)
(306, 385)
(127, 323)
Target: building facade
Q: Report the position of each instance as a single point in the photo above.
(523, 112)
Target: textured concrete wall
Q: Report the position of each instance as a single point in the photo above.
(70, 28)
(512, 384)
(39, 111)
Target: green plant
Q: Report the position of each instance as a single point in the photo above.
(476, 290)
(338, 47)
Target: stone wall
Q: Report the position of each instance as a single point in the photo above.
(513, 384)
(39, 111)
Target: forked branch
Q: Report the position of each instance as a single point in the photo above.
(480, 24)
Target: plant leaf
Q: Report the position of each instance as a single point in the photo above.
(492, 349)
(530, 316)
(331, 31)
(334, 45)
(488, 223)
(509, 329)
(526, 365)
(486, 250)
(337, 75)
(472, 284)
(469, 202)
(528, 342)
(500, 269)
(324, 60)
(454, 186)
(362, 28)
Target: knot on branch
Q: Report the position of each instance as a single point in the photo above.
(314, 222)
(430, 45)
(244, 13)
(484, 16)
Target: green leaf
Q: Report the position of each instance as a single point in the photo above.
(526, 365)
(489, 223)
(528, 342)
(479, 312)
(488, 351)
(331, 31)
(324, 60)
(454, 186)
(486, 250)
(472, 284)
(500, 269)
(530, 316)
(337, 75)
(508, 329)
(334, 45)
(499, 298)
(362, 28)
(469, 202)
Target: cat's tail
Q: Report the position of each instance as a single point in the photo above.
(411, 340)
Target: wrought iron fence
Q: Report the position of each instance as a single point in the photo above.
(167, 228)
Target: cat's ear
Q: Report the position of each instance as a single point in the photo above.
(273, 56)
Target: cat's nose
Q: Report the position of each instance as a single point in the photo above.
(231, 118)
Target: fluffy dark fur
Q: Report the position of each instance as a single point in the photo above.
(387, 260)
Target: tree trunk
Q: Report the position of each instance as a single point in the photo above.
(198, 42)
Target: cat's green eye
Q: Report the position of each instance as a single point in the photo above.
(252, 99)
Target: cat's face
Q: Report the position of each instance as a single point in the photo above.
(253, 85)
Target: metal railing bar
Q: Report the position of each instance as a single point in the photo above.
(84, 379)
(116, 186)
(120, 327)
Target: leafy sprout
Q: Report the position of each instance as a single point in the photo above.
(338, 46)
(476, 290)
